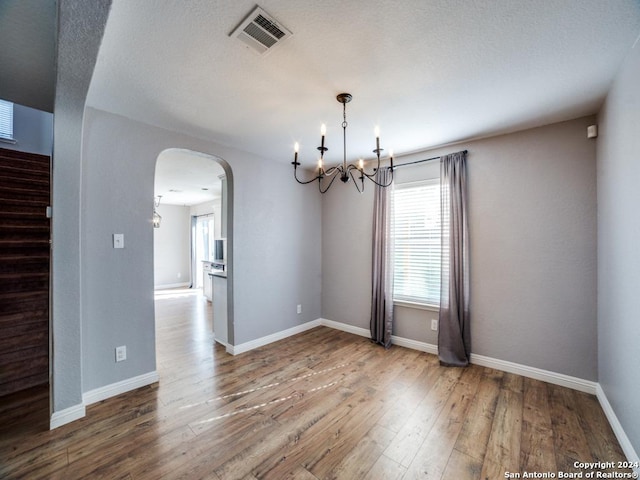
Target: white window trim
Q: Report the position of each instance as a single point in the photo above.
(417, 306)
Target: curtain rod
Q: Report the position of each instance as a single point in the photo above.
(421, 161)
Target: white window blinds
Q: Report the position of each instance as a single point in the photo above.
(416, 227)
(6, 120)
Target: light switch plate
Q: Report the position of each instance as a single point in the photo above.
(118, 240)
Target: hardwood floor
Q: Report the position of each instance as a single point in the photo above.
(321, 405)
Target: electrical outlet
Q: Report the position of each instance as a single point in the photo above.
(434, 324)
(299, 309)
(121, 353)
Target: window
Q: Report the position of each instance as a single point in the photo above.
(204, 244)
(6, 120)
(415, 229)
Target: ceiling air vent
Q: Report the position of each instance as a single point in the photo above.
(260, 31)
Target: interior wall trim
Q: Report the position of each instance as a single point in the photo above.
(102, 393)
(395, 340)
(363, 332)
(548, 376)
(67, 415)
(414, 345)
(625, 443)
(274, 337)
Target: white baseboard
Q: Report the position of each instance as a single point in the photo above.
(415, 345)
(616, 426)
(554, 378)
(363, 332)
(274, 337)
(108, 391)
(67, 415)
(524, 370)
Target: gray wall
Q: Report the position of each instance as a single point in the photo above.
(619, 246)
(172, 246)
(32, 131)
(533, 250)
(80, 28)
(275, 257)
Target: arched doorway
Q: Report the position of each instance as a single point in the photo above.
(193, 216)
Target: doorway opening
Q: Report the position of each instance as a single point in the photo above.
(192, 228)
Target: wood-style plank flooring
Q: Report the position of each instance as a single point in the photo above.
(321, 405)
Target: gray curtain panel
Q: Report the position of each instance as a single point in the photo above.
(454, 339)
(382, 269)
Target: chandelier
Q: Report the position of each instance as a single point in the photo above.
(156, 216)
(343, 171)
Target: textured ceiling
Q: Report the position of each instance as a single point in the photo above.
(428, 72)
(186, 178)
(27, 52)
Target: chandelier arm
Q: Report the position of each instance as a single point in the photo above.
(328, 186)
(371, 177)
(391, 180)
(377, 152)
(333, 171)
(302, 182)
(355, 182)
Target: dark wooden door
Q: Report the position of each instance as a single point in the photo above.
(24, 270)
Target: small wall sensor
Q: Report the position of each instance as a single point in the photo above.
(592, 131)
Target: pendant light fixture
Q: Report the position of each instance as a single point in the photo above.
(345, 172)
(156, 216)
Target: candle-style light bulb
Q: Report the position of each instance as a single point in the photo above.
(391, 158)
(361, 164)
(296, 147)
(323, 132)
(376, 130)
(320, 164)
